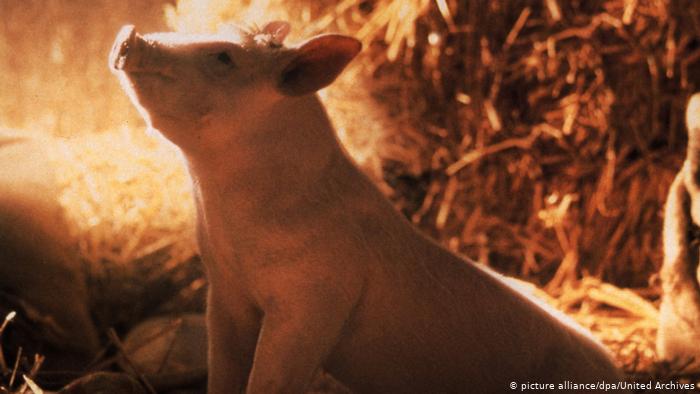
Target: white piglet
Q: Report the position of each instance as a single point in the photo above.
(309, 266)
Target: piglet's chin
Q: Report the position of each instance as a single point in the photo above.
(141, 94)
(143, 106)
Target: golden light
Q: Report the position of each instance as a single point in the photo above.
(535, 121)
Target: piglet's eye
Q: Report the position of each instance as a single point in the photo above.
(224, 58)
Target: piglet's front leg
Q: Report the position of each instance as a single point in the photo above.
(233, 328)
(302, 323)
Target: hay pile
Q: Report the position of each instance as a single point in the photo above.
(547, 131)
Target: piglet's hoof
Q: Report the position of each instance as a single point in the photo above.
(679, 323)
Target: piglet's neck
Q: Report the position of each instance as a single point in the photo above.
(281, 155)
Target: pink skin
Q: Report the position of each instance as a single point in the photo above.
(309, 266)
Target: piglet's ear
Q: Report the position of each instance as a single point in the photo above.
(278, 30)
(317, 63)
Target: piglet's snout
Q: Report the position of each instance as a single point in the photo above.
(134, 54)
(124, 49)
